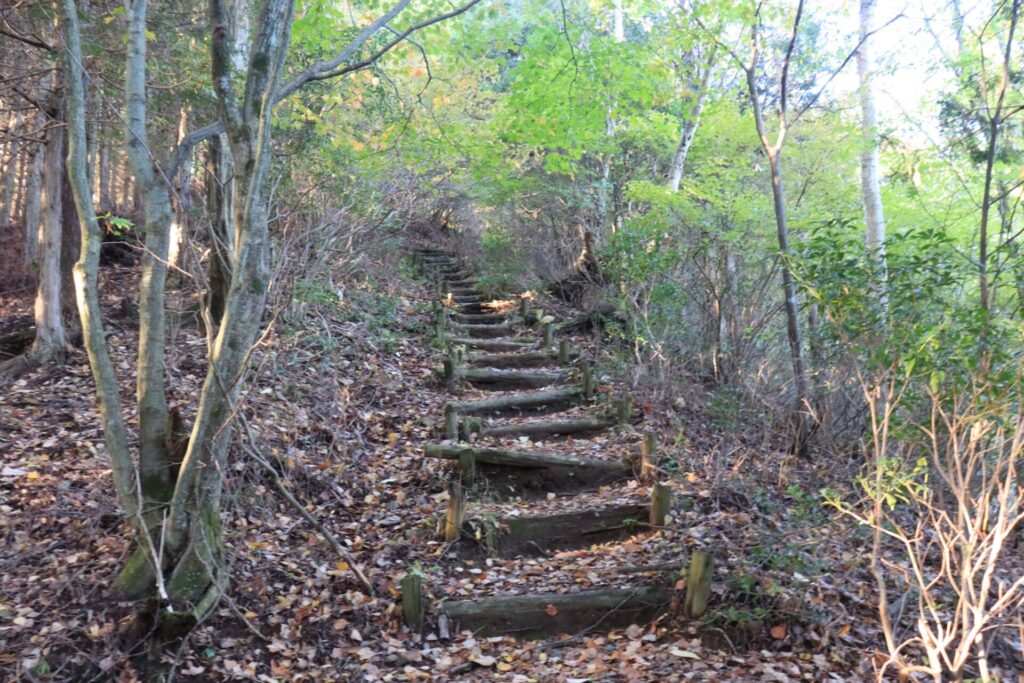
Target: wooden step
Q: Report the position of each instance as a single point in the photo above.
(483, 330)
(519, 402)
(533, 474)
(536, 535)
(521, 459)
(495, 344)
(528, 359)
(497, 379)
(479, 317)
(549, 427)
(548, 614)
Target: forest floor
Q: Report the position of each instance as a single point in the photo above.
(343, 399)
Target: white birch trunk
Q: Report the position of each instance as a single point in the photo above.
(871, 192)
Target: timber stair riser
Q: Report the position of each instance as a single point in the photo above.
(538, 616)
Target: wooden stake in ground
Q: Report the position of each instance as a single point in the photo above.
(451, 423)
(549, 335)
(467, 468)
(456, 511)
(648, 454)
(524, 308)
(412, 600)
(624, 408)
(698, 584)
(563, 351)
(588, 380)
(661, 501)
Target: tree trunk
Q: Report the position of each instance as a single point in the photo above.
(105, 200)
(994, 123)
(50, 337)
(789, 288)
(33, 204)
(155, 469)
(218, 273)
(874, 217)
(691, 124)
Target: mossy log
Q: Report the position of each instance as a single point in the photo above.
(495, 344)
(524, 459)
(512, 536)
(529, 359)
(522, 401)
(497, 378)
(549, 427)
(483, 330)
(540, 615)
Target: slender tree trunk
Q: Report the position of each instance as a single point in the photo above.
(86, 281)
(156, 475)
(10, 175)
(105, 200)
(24, 161)
(50, 337)
(33, 202)
(995, 120)
(792, 306)
(221, 235)
(871, 192)
(699, 93)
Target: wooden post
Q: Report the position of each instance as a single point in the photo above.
(648, 455)
(563, 351)
(524, 308)
(449, 370)
(439, 323)
(588, 380)
(456, 509)
(624, 408)
(661, 501)
(451, 423)
(467, 468)
(445, 289)
(698, 584)
(549, 336)
(412, 600)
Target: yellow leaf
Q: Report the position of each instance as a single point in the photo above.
(504, 666)
(341, 566)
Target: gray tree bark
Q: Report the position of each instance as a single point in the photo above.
(50, 338)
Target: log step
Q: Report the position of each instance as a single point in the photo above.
(529, 359)
(522, 401)
(494, 344)
(516, 536)
(533, 474)
(481, 330)
(549, 427)
(521, 459)
(549, 614)
(479, 317)
(497, 379)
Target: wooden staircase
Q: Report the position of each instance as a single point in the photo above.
(539, 389)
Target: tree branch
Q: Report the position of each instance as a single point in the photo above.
(333, 69)
(184, 148)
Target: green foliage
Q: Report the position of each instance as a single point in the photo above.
(504, 268)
